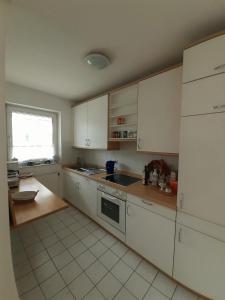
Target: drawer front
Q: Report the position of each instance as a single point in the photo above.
(153, 207)
(204, 96)
(204, 59)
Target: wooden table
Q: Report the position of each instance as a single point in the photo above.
(45, 202)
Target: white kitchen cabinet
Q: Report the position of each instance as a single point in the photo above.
(91, 124)
(81, 192)
(151, 235)
(80, 125)
(202, 167)
(204, 96)
(199, 262)
(98, 123)
(204, 59)
(51, 181)
(159, 101)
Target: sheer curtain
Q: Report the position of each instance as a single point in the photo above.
(31, 134)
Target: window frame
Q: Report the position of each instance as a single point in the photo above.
(10, 108)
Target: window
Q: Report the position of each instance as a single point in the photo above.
(32, 133)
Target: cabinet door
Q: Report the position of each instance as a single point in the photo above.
(199, 262)
(159, 103)
(201, 190)
(80, 125)
(98, 123)
(151, 235)
(71, 189)
(88, 197)
(204, 96)
(51, 181)
(204, 59)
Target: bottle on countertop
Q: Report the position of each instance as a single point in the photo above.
(154, 177)
(145, 178)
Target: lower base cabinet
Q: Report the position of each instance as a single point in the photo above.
(199, 262)
(81, 192)
(151, 235)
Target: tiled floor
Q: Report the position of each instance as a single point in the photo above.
(66, 256)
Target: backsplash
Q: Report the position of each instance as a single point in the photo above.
(128, 158)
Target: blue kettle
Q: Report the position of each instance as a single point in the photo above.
(110, 166)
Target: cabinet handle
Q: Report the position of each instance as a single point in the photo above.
(219, 67)
(180, 235)
(147, 202)
(220, 106)
(139, 143)
(128, 210)
(181, 200)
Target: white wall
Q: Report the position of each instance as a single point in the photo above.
(128, 158)
(7, 283)
(22, 95)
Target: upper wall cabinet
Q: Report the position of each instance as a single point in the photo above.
(123, 114)
(159, 101)
(91, 124)
(204, 59)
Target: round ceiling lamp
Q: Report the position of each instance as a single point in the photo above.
(97, 60)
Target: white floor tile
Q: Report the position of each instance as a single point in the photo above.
(62, 259)
(86, 259)
(147, 271)
(70, 272)
(68, 221)
(98, 249)
(62, 233)
(82, 233)
(89, 240)
(56, 227)
(19, 257)
(45, 271)
(56, 249)
(39, 259)
(122, 271)
(77, 249)
(108, 240)
(35, 294)
(22, 269)
(96, 272)
(154, 294)
(50, 240)
(70, 240)
(183, 294)
(34, 249)
(94, 295)
(132, 259)
(75, 227)
(65, 294)
(30, 240)
(124, 295)
(26, 283)
(109, 259)
(137, 285)
(52, 286)
(164, 284)
(99, 233)
(81, 286)
(92, 226)
(119, 249)
(109, 286)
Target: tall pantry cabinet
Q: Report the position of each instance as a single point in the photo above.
(199, 260)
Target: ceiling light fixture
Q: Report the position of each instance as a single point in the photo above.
(97, 60)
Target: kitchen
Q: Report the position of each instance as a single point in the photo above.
(118, 173)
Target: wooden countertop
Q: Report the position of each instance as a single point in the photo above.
(45, 202)
(146, 192)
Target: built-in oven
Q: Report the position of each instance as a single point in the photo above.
(111, 207)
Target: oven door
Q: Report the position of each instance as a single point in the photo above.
(112, 210)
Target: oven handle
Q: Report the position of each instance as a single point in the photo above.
(109, 197)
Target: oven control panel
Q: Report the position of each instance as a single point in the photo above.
(114, 192)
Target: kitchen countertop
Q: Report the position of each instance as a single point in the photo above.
(45, 202)
(137, 189)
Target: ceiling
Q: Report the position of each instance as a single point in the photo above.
(48, 39)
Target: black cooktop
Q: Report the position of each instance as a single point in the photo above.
(121, 179)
